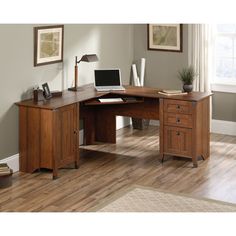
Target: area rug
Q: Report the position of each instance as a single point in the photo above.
(143, 199)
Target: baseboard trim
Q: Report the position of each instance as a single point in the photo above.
(223, 127)
(12, 162)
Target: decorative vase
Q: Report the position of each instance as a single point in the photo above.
(188, 88)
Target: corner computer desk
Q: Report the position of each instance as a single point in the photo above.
(49, 130)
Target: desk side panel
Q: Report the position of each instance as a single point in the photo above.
(105, 126)
(46, 137)
(161, 127)
(23, 121)
(33, 139)
(203, 128)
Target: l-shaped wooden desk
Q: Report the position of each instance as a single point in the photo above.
(49, 130)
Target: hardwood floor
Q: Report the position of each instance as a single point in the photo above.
(107, 168)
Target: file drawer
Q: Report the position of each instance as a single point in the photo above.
(180, 120)
(177, 141)
(177, 106)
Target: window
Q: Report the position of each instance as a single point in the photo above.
(225, 57)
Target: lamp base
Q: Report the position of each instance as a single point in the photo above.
(75, 89)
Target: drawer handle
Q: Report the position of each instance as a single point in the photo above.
(178, 106)
(177, 120)
(75, 131)
(178, 133)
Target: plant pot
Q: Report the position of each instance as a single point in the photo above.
(188, 88)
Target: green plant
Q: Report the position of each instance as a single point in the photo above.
(187, 75)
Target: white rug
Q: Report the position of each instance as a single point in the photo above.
(142, 199)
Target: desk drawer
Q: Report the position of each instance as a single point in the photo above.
(180, 120)
(177, 106)
(177, 141)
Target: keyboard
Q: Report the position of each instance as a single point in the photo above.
(108, 88)
(104, 100)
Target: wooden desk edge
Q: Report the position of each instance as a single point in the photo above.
(70, 97)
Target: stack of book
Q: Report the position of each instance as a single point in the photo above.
(4, 169)
(171, 92)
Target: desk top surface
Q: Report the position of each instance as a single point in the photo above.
(88, 92)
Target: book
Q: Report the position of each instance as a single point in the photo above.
(5, 172)
(3, 165)
(172, 94)
(4, 169)
(171, 91)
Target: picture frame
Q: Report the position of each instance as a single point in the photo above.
(165, 37)
(48, 44)
(46, 91)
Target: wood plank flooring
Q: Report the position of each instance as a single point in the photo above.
(107, 168)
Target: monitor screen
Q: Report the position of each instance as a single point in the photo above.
(107, 77)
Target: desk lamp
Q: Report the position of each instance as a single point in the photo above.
(85, 58)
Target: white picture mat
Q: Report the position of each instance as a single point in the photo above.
(49, 59)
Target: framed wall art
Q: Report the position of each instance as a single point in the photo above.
(165, 37)
(48, 44)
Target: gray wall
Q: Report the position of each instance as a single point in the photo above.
(162, 69)
(112, 43)
(224, 106)
(161, 66)
(17, 76)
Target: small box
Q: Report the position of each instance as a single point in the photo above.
(6, 180)
(56, 93)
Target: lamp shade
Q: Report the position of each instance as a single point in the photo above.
(89, 58)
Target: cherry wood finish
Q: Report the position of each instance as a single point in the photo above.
(177, 141)
(88, 92)
(49, 130)
(180, 120)
(177, 106)
(186, 129)
(48, 138)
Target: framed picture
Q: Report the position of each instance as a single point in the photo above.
(48, 44)
(165, 37)
(46, 91)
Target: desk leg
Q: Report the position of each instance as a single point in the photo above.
(194, 160)
(55, 174)
(89, 128)
(105, 127)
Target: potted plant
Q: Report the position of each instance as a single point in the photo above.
(187, 76)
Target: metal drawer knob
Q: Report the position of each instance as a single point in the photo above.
(178, 133)
(177, 120)
(178, 106)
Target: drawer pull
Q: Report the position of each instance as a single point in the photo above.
(178, 106)
(177, 120)
(178, 133)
